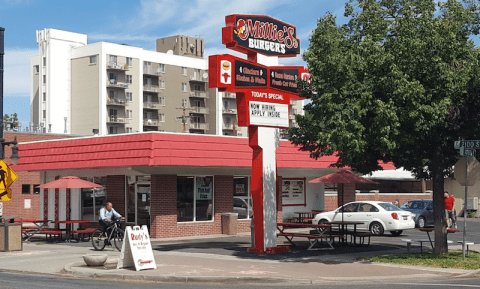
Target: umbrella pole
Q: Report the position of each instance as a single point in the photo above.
(343, 203)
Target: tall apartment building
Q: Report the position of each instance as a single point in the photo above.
(79, 88)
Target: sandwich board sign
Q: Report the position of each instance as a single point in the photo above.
(137, 249)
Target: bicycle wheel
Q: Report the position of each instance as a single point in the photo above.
(98, 240)
(118, 240)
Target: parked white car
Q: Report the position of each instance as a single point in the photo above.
(377, 217)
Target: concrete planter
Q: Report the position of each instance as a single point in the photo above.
(95, 260)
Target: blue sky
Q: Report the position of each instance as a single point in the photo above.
(136, 23)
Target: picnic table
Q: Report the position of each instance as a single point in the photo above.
(314, 239)
(29, 231)
(68, 227)
(343, 230)
(428, 230)
(305, 217)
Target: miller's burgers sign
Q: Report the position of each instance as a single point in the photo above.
(260, 34)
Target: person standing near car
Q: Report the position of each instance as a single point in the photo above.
(106, 215)
(449, 213)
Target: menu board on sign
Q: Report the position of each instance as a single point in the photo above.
(268, 114)
(204, 188)
(248, 74)
(284, 79)
(137, 249)
(293, 191)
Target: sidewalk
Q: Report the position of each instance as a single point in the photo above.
(219, 258)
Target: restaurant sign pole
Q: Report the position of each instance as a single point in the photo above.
(263, 102)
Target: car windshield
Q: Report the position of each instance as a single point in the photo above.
(389, 207)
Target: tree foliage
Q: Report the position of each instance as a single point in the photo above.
(399, 82)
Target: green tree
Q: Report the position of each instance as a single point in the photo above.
(398, 83)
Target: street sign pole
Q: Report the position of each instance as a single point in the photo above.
(465, 211)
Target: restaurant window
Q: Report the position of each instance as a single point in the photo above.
(25, 189)
(242, 202)
(93, 199)
(36, 190)
(194, 199)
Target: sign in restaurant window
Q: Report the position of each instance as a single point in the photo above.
(293, 192)
(204, 188)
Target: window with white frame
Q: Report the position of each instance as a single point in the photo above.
(44, 61)
(194, 198)
(44, 79)
(44, 96)
(161, 101)
(129, 61)
(93, 59)
(184, 87)
(129, 97)
(184, 103)
(161, 117)
(129, 78)
(129, 114)
(128, 129)
(184, 71)
(161, 67)
(37, 69)
(161, 84)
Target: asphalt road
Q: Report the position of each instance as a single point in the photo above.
(10, 280)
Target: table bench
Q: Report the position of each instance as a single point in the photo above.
(83, 232)
(410, 241)
(52, 235)
(361, 238)
(312, 238)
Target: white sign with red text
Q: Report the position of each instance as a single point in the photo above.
(137, 249)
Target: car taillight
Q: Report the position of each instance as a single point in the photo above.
(395, 216)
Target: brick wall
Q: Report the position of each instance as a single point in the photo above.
(115, 186)
(17, 206)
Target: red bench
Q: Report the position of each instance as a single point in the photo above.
(83, 233)
(312, 238)
(52, 235)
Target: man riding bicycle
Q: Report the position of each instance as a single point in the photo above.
(106, 215)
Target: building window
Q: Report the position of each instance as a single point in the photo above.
(129, 61)
(196, 87)
(129, 96)
(129, 78)
(161, 117)
(36, 69)
(161, 101)
(184, 71)
(44, 114)
(112, 60)
(44, 61)
(44, 79)
(129, 130)
(129, 113)
(25, 189)
(36, 190)
(242, 201)
(112, 130)
(161, 84)
(92, 199)
(184, 87)
(194, 199)
(161, 67)
(93, 59)
(44, 96)
(184, 103)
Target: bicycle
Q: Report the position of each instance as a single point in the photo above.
(114, 233)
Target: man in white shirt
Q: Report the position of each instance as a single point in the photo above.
(106, 214)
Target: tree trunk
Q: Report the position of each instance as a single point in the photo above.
(438, 164)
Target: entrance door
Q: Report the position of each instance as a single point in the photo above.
(142, 205)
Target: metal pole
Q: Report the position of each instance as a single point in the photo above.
(2, 52)
(465, 212)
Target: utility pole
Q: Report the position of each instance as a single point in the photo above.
(184, 118)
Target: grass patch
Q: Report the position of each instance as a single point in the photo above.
(454, 259)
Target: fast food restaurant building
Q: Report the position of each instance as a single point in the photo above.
(177, 184)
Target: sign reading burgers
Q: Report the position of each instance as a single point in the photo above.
(260, 34)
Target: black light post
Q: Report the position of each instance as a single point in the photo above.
(4, 143)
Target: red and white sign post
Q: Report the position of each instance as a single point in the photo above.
(263, 103)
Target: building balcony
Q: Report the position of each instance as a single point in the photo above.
(117, 66)
(116, 119)
(152, 88)
(199, 109)
(230, 111)
(291, 116)
(199, 94)
(151, 122)
(229, 95)
(199, 78)
(112, 83)
(152, 105)
(152, 73)
(227, 126)
(116, 101)
(199, 125)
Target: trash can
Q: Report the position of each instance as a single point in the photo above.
(229, 223)
(10, 234)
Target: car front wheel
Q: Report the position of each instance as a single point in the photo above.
(376, 228)
(421, 222)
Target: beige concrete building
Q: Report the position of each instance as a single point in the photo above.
(108, 88)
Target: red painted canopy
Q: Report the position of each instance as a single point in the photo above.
(69, 182)
(341, 177)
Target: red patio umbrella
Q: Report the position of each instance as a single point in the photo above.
(342, 177)
(69, 182)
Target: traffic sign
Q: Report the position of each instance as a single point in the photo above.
(467, 152)
(470, 144)
(7, 176)
(460, 171)
(6, 195)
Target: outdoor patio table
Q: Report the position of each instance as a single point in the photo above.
(305, 217)
(68, 225)
(29, 232)
(428, 230)
(342, 225)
